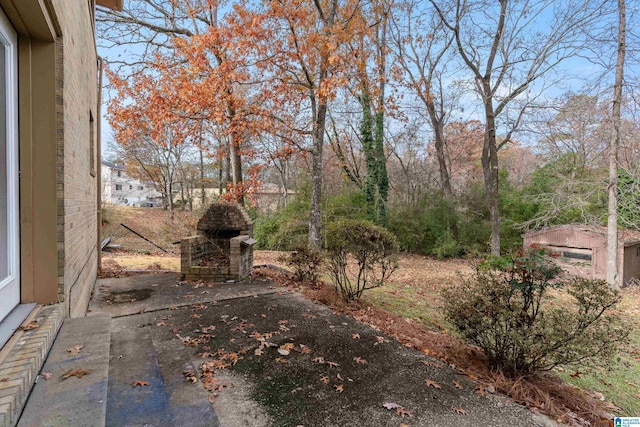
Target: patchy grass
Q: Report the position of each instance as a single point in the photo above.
(618, 385)
(153, 223)
(133, 261)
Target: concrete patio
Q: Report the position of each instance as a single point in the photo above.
(155, 351)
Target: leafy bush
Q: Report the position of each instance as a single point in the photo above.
(286, 229)
(505, 311)
(305, 263)
(371, 250)
(445, 246)
(425, 227)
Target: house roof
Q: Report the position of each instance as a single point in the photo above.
(112, 165)
(627, 236)
(111, 4)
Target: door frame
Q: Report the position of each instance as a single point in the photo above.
(10, 286)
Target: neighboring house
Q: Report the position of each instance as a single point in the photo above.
(119, 189)
(49, 198)
(270, 197)
(582, 250)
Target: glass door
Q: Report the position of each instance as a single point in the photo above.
(9, 225)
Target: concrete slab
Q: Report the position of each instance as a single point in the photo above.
(188, 402)
(73, 401)
(136, 395)
(131, 295)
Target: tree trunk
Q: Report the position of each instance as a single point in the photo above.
(490, 172)
(315, 214)
(227, 166)
(613, 273)
(202, 192)
(366, 133)
(382, 177)
(182, 204)
(170, 197)
(437, 123)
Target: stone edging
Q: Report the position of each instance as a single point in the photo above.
(27, 351)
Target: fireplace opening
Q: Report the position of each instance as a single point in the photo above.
(222, 249)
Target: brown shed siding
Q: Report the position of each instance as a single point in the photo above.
(631, 262)
(595, 239)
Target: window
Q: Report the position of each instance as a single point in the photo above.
(140, 187)
(119, 174)
(576, 256)
(92, 146)
(118, 187)
(130, 187)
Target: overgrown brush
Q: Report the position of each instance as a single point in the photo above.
(505, 311)
(305, 263)
(369, 249)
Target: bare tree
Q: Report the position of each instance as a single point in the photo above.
(508, 47)
(613, 272)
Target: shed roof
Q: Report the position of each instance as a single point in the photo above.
(627, 236)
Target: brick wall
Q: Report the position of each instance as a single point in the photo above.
(77, 209)
(225, 217)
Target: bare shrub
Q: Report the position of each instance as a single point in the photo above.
(360, 256)
(504, 311)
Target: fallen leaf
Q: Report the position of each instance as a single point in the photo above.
(76, 373)
(325, 379)
(389, 406)
(355, 336)
(46, 375)
(190, 375)
(163, 323)
(459, 410)
(491, 389)
(30, 326)
(288, 346)
(338, 376)
(576, 374)
(196, 316)
(333, 364)
(404, 425)
(380, 340)
(280, 360)
(304, 349)
(283, 351)
(4, 380)
(339, 388)
(360, 360)
(318, 359)
(432, 383)
(457, 385)
(139, 383)
(430, 363)
(480, 390)
(75, 350)
(404, 413)
(258, 352)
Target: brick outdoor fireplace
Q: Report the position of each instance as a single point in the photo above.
(223, 246)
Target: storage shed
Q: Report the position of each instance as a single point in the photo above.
(582, 250)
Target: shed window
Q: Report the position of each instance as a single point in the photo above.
(576, 255)
(581, 256)
(118, 187)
